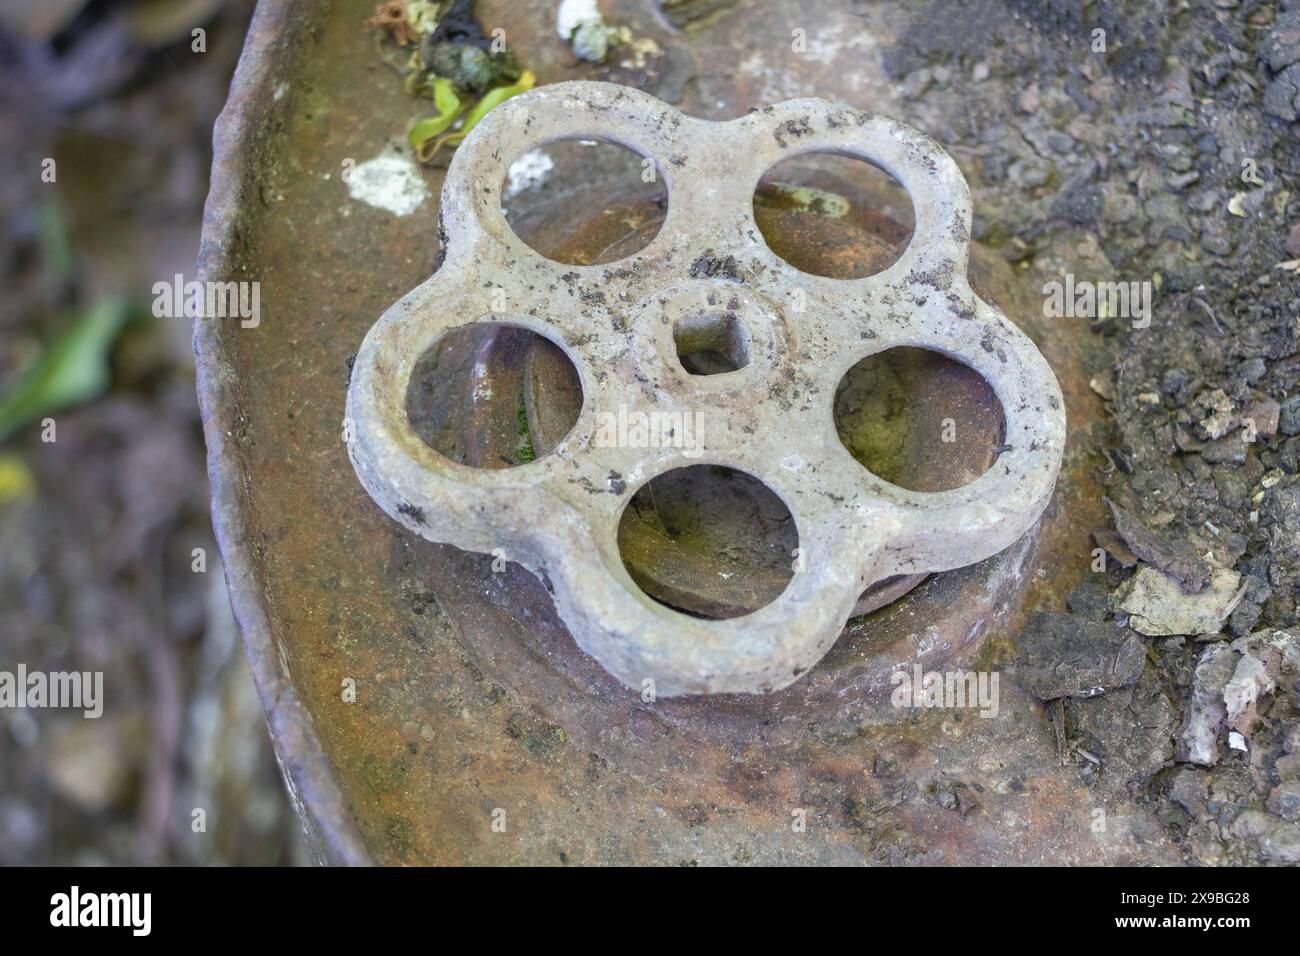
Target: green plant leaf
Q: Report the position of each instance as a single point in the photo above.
(490, 101)
(427, 130)
(70, 369)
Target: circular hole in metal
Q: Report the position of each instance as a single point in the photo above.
(919, 419)
(797, 197)
(493, 395)
(711, 344)
(614, 201)
(708, 540)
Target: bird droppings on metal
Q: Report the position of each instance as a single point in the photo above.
(390, 181)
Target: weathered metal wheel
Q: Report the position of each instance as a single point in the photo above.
(470, 695)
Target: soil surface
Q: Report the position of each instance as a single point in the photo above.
(1171, 157)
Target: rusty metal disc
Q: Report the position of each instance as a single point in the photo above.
(471, 695)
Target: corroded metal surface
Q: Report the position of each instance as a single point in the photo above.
(800, 333)
(471, 696)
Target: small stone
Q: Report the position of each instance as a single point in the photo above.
(1067, 655)
(1252, 370)
(1187, 788)
(1173, 557)
(1231, 449)
(1081, 204)
(1120, 206)
(1243, 620)
(1282, 843)
(1289, 457)
(1218, 415)
(1217, 244)
(1265, 415)
(1166, 209)
(1090, 599)
(1158, 607)
(1250, 825)
(1280, 44)
(1059, 142)
(591, 42)
(1282, 96)
(1280, 513)
(1278, 651)
(1288, 421)
(1173, 380)
(1177, 158)
(1232, 490)
(1291, 739)
(20, 829)
(579, 23)
(1029, 174)
(1104, 385)
(1016, 250)
(1241, 693)
(1288, 767)
(1115, 546)
(1198, 739)
(1284, 801)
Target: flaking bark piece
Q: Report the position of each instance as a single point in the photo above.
(1067, 655)
(1174, 558)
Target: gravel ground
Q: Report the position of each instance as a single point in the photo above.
(1169, 157)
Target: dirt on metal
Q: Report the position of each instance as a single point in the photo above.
(470, 696)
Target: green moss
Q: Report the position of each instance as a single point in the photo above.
(805, 199)
(525, 452)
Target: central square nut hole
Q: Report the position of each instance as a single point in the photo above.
(712, 343)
